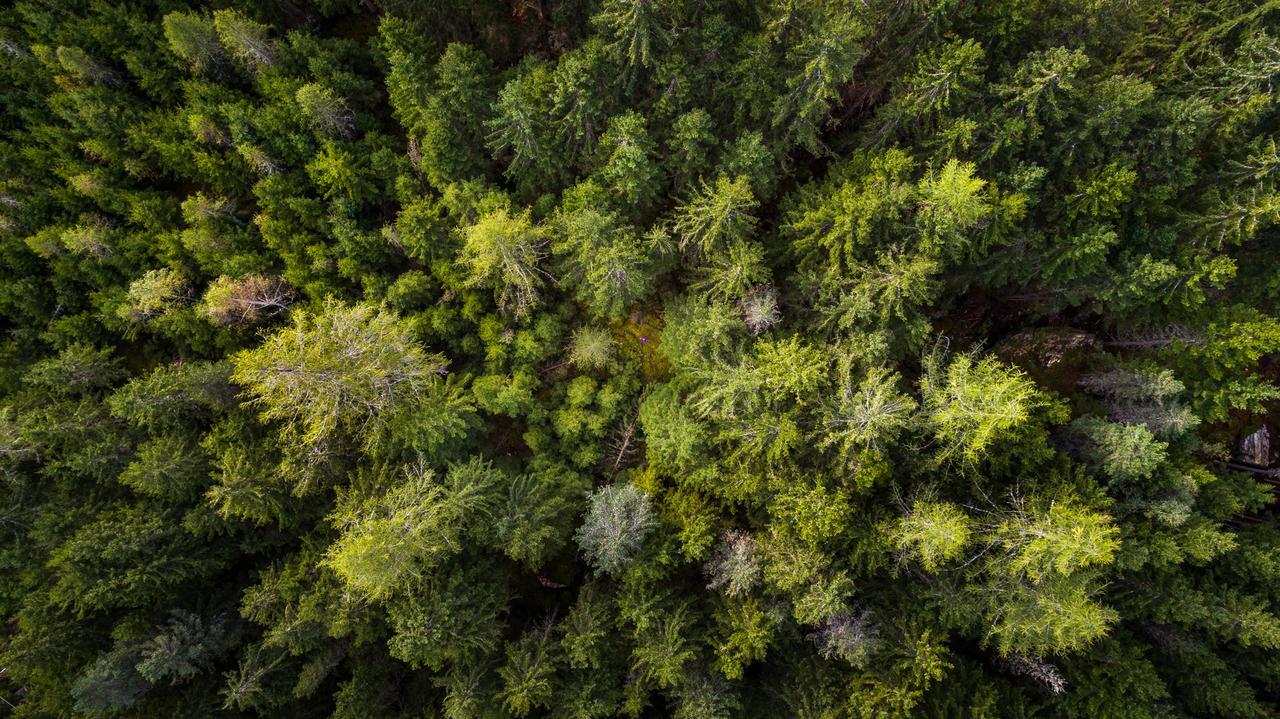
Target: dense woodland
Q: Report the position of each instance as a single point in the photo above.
(467, 359)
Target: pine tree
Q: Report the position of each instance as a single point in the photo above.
(389, 540)
(342, 369)
(618, 518)
(168, 467)
(527, 675)
(326, 111)
(194, 39)
(183, 648)
(933, 534)
(604, 259)
(152, 294)
(245, 300)
(520, 128)
(970, 404)
(627, 163)
(825, 59)
(717, 216)
(245, 39)
(636, 27)
(503, 251)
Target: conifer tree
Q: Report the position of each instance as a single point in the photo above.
(344, 368)
(245, 300)
(618, 518)
(503, 251)
(245, 39)
(194, 39)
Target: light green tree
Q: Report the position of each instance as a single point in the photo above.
(972, 403)
(392, 539)
(326, 111)
(502, 251)
(245, 300)
(864, 413)
(153, 294)
(716, 216)
(932, 533)
(951, 204)
(339, 369)
(591, 348)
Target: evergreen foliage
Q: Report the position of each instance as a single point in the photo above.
(639, 358)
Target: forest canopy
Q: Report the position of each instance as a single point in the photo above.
(474, 359)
